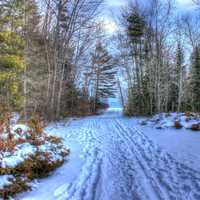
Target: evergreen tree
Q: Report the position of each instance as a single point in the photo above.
(176, 88)
(136, 27)
(195, 79)
(139, 96)
(103, 74)
(11, 52)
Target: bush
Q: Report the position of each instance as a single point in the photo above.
(48, 154)
(7, 145)
(177, 125)
(36, 126)
(188, 114)
(195, 127)
(18, 185)
(38, 165)
(12, 62)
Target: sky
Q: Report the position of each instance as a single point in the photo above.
(113, 7)
(185, 2)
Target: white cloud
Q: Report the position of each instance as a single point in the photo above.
(116, 3)
(109, 26)
(186, 4)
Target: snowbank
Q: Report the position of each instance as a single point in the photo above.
(176, 120)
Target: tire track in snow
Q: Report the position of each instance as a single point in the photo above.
(178, 180)
(119, 170)
(147, 183)
(121, 163)
(84, 187)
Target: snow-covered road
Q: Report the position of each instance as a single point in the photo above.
(112, 160)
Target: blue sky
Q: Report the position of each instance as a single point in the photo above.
(113, 7)
(118, 3)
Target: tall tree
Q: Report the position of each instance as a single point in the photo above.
(102, 74)
(136, 32)
(177, 78)
(180, 70)
(12, 45)
(195, 79)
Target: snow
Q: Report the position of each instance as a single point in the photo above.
(23, 127)
(22, 152)
(52, 150)
(5, 180)
(115, 157)
(14, 118)
(166, 120)
(16, 154)
(25, 150)
(14, 128)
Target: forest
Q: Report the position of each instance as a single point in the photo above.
(63, 60)
(55, 58)
(163, 47)
(50, 61)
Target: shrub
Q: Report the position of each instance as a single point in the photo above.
(38, 164)
(195, 127)
(177, 125)
(54, 139)
(18, 185)
(36, 125)
(12, 62)
(7, 145)
(188, 114)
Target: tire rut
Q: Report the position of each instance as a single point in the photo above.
(179, 181)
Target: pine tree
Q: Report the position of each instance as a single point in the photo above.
(136, 27)
(138, 92)
(11, 52)
(180, 75)
(103, 74)
(176, 85)
(195, 79)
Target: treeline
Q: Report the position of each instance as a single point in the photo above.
(160, 55)
(52, 58)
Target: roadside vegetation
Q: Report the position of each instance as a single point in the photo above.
(26, 153)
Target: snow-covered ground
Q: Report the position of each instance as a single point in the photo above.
(115, 158)
(5, 180)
